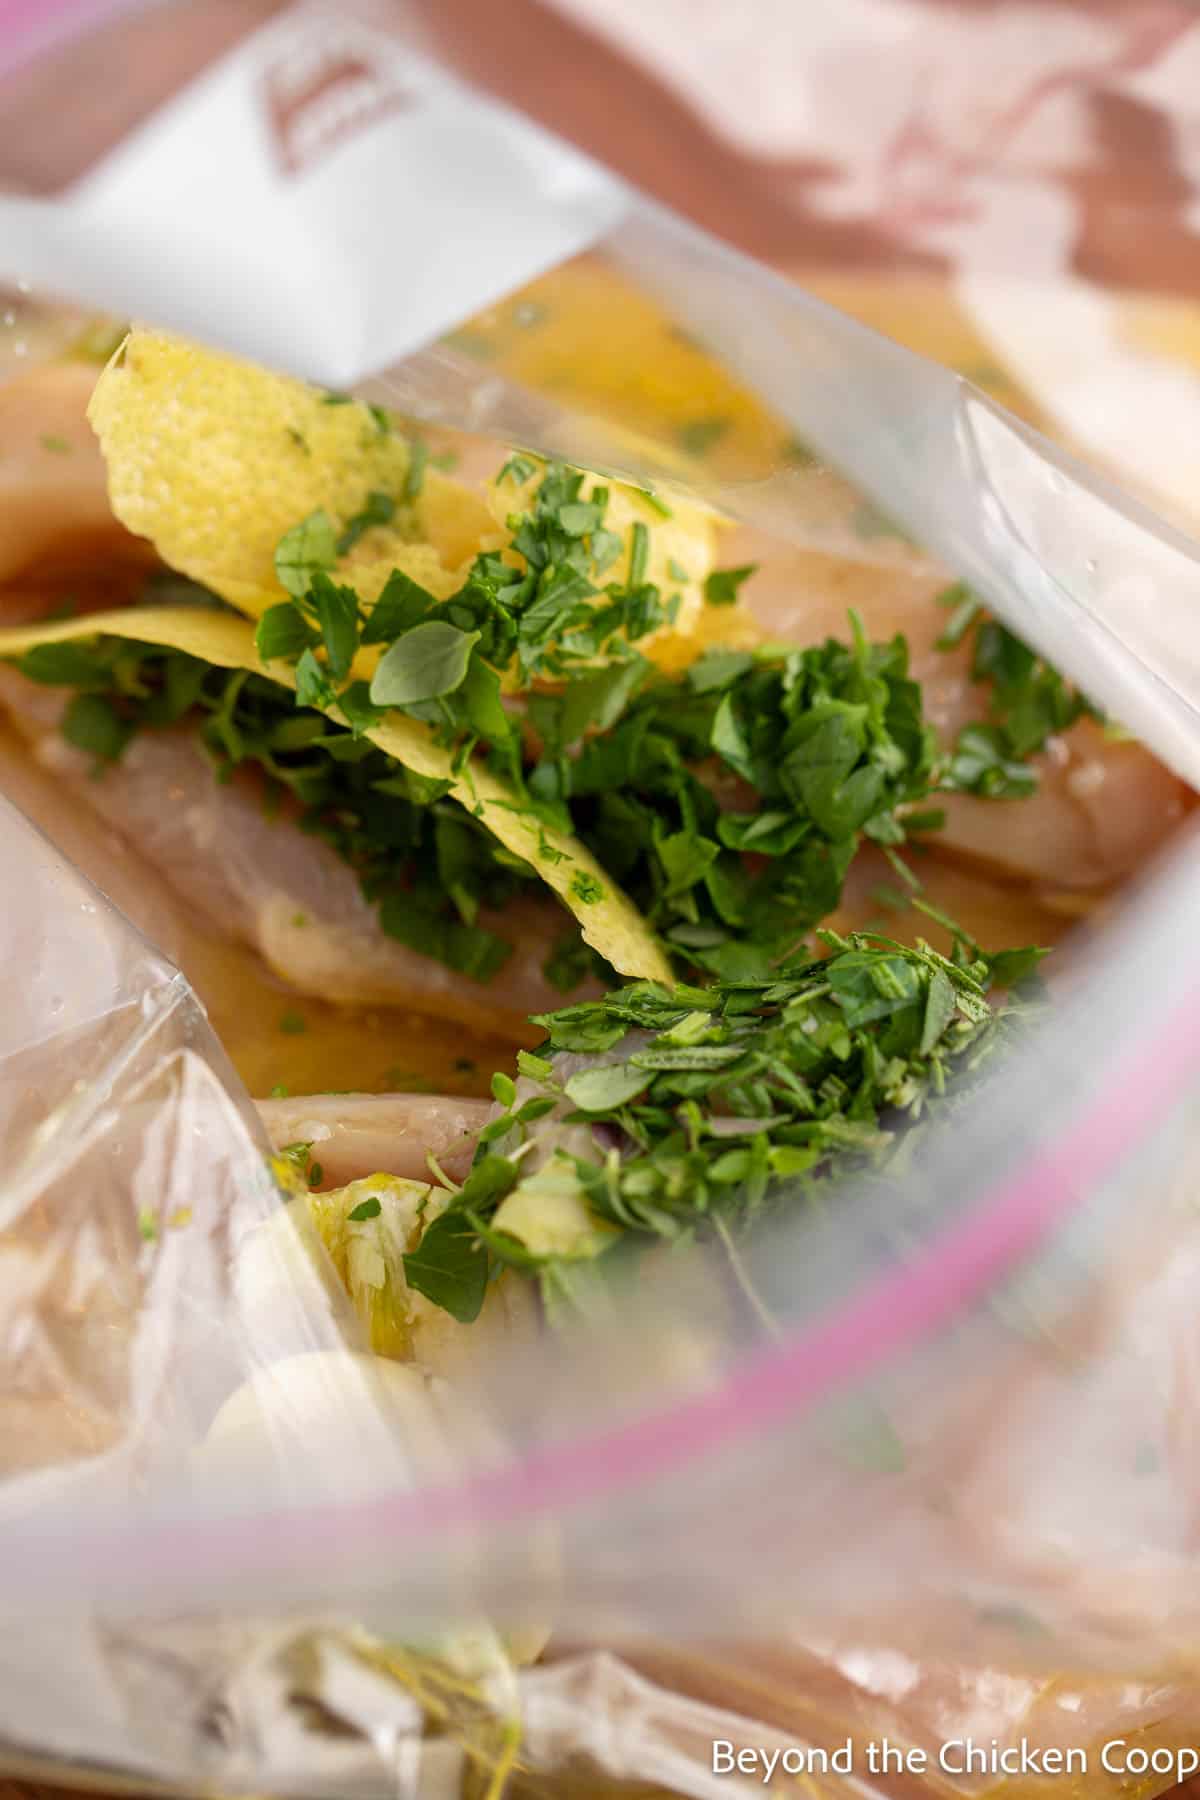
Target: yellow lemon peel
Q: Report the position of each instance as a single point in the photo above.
(213, 460)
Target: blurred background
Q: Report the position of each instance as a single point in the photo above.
(1012, 186)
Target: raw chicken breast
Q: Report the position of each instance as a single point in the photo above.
(285, 893)
(356, 1135)
(1102, 807)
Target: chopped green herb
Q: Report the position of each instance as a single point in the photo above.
(656, 504)
(965, 609)
(380, 509)
(283, 634)
(93, 723)
(892, 899)
(293, 1024)
(336, 612)
(503, 1090)
(711, 1108)
(426, 662)
(605, 1089)
(414, 480)
(517, 469)
(369, 1208)
(721, 587)
(450, 1266)
(569, 963)
(58, 446)
(1030, 703)
(799, 455)
(639, 552)
(313, 687)
(305, 550)
(828, 745)
(66, 665)
(699, 435)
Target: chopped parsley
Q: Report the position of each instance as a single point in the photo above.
(1030, 703)
(698, 436)
(708, 1106)
(379, 510)
(728, 801)
(721, 587)
(564, 607)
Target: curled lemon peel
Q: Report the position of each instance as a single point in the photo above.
(213, 459)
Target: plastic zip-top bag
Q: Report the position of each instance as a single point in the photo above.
(894, 1489)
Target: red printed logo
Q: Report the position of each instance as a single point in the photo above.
(328, 87)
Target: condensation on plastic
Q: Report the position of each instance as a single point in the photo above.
(950, 1494)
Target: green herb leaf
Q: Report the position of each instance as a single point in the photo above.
(92, 723)
(361, 713)
(721, 587)
(639, 554)
(76, 665)
(965, 611)
(307, 549)
(283, 633)
(313, 687)
(607, 1088)
(369, 1208)
(941, 1004)
(470, 949)
(402, 604)
(337, 616)
(427, 662)
(450, 1267)
(414, 480)
(518, 469)
(380, 509)
(699, 435)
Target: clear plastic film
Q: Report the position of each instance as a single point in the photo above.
(935, 1482)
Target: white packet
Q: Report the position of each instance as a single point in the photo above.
(324, 200)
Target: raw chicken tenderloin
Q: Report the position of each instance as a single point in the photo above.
(262, 880)
(356, 1135)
